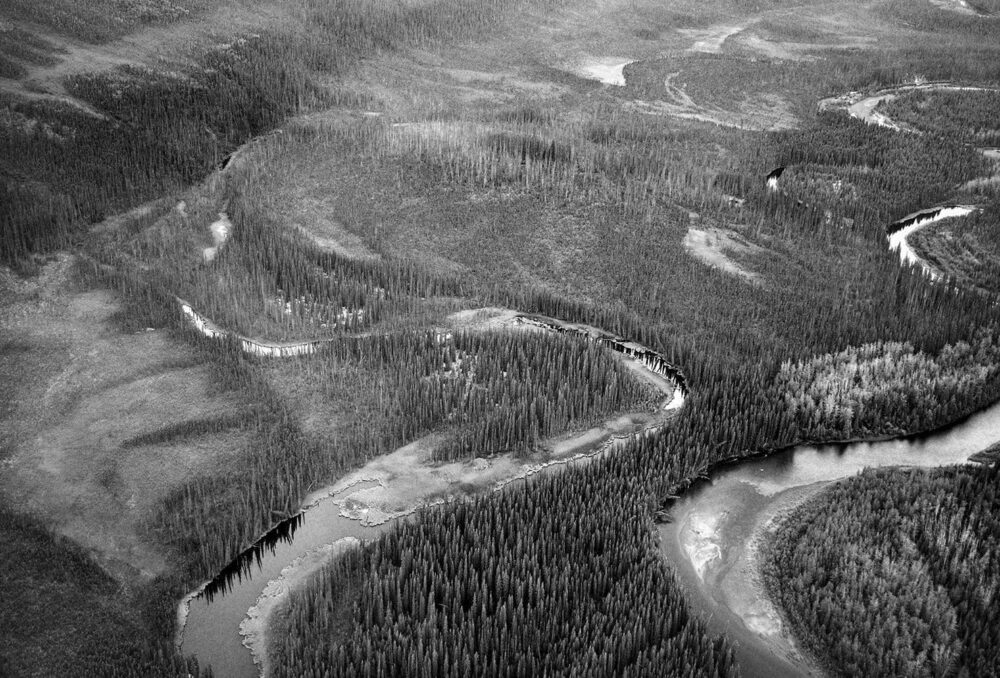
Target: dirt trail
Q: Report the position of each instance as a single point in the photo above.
(763, 112)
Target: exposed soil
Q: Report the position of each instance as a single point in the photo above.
(711, 245)
(608, 70)
(220, 229)
(711, 39)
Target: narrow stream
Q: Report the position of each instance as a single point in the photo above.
(718, 524)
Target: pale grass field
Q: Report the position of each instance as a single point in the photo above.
(75, 389)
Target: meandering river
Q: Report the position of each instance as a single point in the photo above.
(713, 541)
(212, 618)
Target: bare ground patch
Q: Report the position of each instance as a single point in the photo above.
(711, 246)
(711, 40)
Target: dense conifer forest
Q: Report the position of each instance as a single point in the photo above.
(966, 115)
(967, 248)
(895, 573)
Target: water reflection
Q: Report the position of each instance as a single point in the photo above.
(250, 561)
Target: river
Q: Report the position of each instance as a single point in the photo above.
(713, 541)
(719, 523)
(369, 500)
(211, 631)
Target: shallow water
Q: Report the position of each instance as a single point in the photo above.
(212, 629)
(710, 541)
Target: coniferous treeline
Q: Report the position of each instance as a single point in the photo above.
(99, 20)
(607, 603)
(558, 577)
(730, 349)
(488, 393)
(968, 115)
(895, 572)
(891, 175)
(155, 133)
(888, 387)
(731, 410)
(988, 7)
(56, 594)
(192, 428)
(966, 248)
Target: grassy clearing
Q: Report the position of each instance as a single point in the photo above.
(714, 248)
(92, 458)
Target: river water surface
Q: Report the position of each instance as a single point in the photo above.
(719, 523)
(212, 632)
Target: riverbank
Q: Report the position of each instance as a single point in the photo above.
(398, 484)
(254, 628)
(720, 524)
(862, 106)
